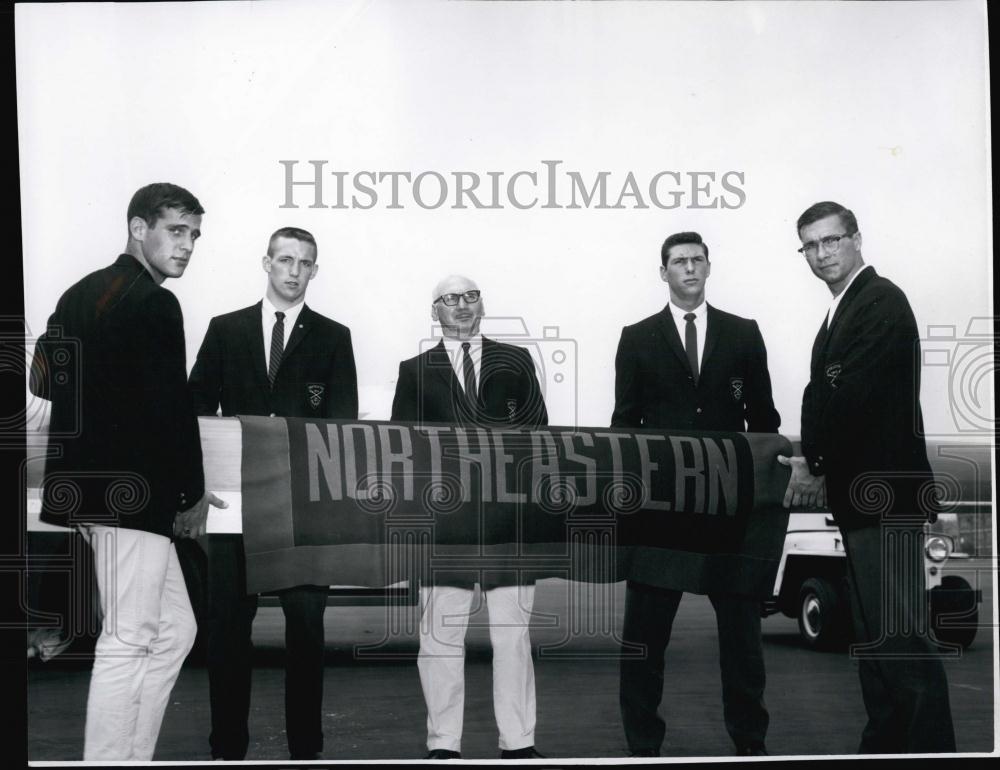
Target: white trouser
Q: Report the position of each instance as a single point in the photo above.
(441, 663)
(147, 632)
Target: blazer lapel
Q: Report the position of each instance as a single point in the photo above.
(819, 344)
(486, 365)
(711, 336)
(302, 327)
(844, 308)
(253, 328)
(669, 330)
(439, 363)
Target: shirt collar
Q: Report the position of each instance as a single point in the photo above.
(679, 313)
(453, 344)
(291, 315)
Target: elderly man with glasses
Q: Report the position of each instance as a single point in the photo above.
(472, 381)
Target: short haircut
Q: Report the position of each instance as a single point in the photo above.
(295, 233)
(151, 201)
(826, 209)
(676, 240)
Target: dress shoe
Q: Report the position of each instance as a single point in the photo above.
(753, 750)
(443, 754)
(644, 753)
(528, 752)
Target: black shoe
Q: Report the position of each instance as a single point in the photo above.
(644, 753)
(528, 752)
(443, 754)
(753, 750)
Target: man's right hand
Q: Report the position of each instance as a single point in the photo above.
(804, 489)
(193, 522)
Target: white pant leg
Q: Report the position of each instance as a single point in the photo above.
(513, 672)
(441, 662)
(174, 639)
(131, 567)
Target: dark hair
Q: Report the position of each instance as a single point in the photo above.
(676, 240)
(295, 233)
(826, 209)
(149, 202)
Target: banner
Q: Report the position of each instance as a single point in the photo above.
(374, 503)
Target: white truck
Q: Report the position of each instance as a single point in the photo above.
(811, 579)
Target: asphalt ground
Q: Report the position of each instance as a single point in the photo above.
(374, 708)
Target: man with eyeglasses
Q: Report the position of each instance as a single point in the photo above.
(863, 451)
(470, 380)
(692, 367)
(276, 357)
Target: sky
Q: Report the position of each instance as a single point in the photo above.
(882, 107)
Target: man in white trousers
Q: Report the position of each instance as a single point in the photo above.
(473, 381)
(127, 466)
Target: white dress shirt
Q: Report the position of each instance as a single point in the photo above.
(454, 348)
(267, 311)
(700, 325)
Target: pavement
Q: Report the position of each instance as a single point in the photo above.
(374, 708)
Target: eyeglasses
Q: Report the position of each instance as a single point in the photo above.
(471, 297)
(830, 244)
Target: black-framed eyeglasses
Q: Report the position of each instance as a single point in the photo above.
(830, 244)
(471, 297)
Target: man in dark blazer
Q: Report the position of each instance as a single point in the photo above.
(276, 357)
(692, 367)
(470, 380)
(864, 451)
(125, 464)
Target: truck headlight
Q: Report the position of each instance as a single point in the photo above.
(937, 548)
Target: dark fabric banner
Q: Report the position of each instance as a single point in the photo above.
(372, 503)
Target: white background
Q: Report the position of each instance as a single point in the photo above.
(882, 107)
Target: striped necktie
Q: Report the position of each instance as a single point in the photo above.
(277, 346)
(469, 372)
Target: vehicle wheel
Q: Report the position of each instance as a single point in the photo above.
(955, 599)
(822, 621)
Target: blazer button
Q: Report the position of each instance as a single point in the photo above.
(698, 410)
(272, 414)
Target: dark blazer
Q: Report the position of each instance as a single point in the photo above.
(655, 388)
(113, 365)
(861, 418)
(509, 395)
(428, 391)
(317, 377)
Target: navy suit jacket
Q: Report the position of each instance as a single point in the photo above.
(113, 365)
(655, 387)
(317, 376)
(861, 421)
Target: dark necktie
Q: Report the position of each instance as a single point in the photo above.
(469, 372)
(691, 344)
(277, 346)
